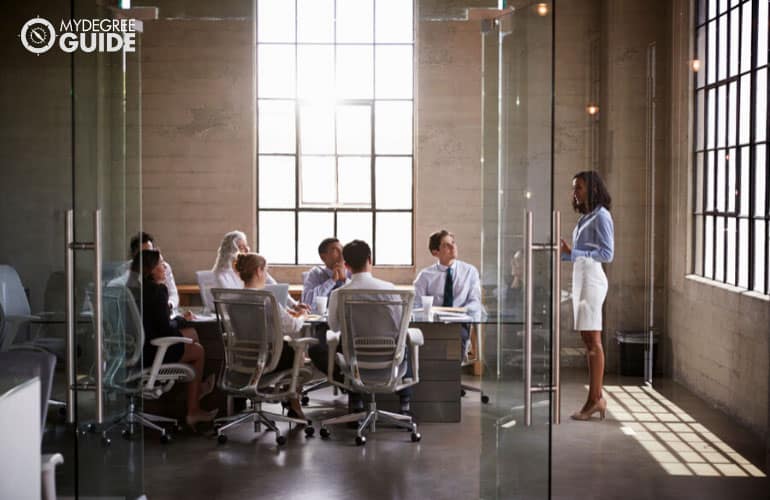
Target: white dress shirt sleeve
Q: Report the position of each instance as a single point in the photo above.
(173, 293)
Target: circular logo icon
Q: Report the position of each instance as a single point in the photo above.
(38, 35)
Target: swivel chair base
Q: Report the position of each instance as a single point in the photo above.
(258, 417)
(367, 421)
(131, 418)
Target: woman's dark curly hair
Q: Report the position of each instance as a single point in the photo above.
(145, 261)
(597, 192)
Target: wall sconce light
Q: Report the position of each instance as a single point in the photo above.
(695, 65)
(592, 109)
(542, 9)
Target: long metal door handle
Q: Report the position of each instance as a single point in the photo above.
(69, 315)
(98, 316)
(528, 296)
(556, 319)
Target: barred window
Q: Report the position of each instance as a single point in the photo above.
(335, 114)
(730, 181)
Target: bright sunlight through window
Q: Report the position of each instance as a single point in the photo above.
(335, 111)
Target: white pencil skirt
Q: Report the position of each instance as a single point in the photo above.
(589, 289)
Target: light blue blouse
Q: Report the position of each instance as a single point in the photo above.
(594, 237)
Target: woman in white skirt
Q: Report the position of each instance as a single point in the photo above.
(592, 245)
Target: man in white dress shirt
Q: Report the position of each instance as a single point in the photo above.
(358, 259)
(145, 241)
(322, 280)
(450, 281)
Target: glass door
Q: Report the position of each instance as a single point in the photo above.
(70, 173)
(519, 270)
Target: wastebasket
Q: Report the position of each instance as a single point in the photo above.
(632, 345)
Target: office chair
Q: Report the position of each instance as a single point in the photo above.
(250, 324)
(206, 281)
(469, 361)
(16, 331)
(374, 333)
(41, 365)
(123, 336)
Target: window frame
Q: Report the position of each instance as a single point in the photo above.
(336, 208)
(728, 155)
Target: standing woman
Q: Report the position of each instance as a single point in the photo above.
(592, 244)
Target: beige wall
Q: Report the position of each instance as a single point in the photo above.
(198, 145)
(197, 137)
(719, 336)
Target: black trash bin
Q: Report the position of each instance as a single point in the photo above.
(632, 345)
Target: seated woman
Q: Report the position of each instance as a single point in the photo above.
(234, 244)
(252, 268)
(157, 323)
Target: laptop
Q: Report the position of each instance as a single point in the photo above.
(281, 292)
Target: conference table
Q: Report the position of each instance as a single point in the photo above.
(436, 398)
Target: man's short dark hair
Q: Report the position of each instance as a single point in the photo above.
(138, 240)
(324, 246)
(356, 254)
(434, 240)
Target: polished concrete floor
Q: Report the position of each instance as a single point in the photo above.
(656, 444)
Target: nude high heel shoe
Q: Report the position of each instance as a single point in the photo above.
(600, 407)
(207, 416)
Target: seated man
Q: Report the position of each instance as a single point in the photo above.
(358, 259)
(451, 282)
(144, 241)
(321, 281)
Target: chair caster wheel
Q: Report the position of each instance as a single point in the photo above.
(462, 393)
(127, 434)
(280, 440)
(416, 436)
(165, 438)
(106, 441)
(178, 428)
(221, 439)
(360, 440)
(305, 400)
(91, 428)
(485, 399)
(324, 433)
(309, 431)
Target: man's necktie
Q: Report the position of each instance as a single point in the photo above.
(449, 295)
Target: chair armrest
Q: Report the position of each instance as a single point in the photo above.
(301, 341)
(415, 337)
(50, 461)
(332, 337)
(332, 341)
(163, 344)
(168, 341)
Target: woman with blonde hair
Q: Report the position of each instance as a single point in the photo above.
(234, 244)
(252, 270)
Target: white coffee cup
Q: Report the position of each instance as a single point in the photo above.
(320, 305)
(427, 307)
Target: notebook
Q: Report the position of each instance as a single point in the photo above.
(281, 292)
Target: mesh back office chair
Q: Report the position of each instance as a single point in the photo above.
(251, 331)
(41, 365)
(374, 333)
(123, 341)
(16, 331)
(206, 281)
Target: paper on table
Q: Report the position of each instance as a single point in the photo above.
(442, 309)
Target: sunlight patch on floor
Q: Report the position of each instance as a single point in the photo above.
(681, 445)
